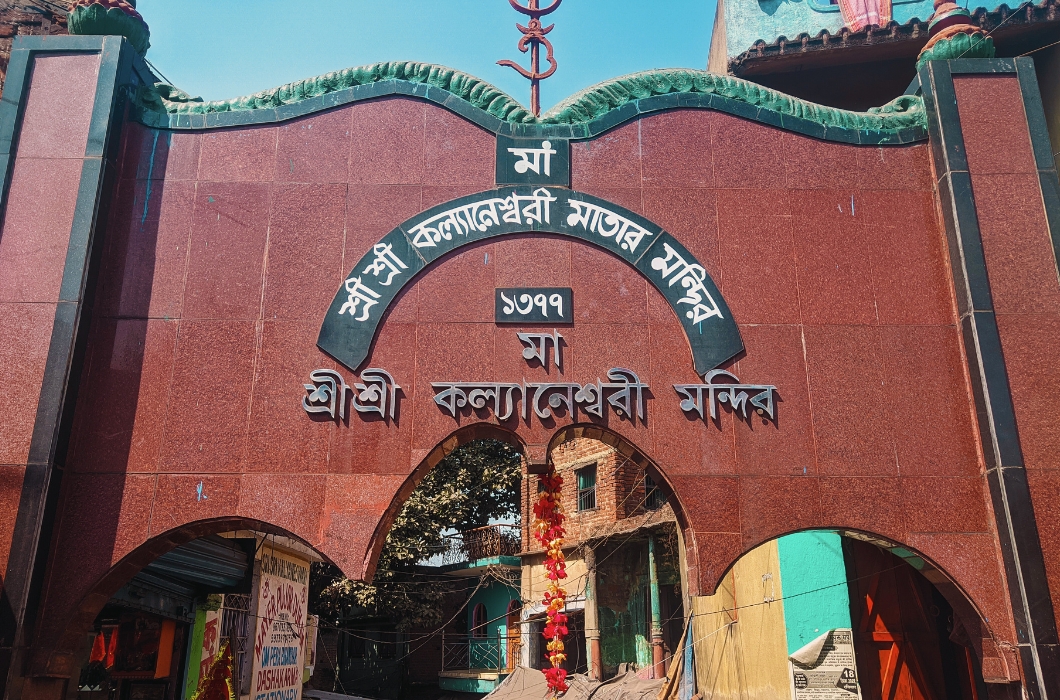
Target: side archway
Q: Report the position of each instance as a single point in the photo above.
(377, 279)
(911, 623)
(57, 647)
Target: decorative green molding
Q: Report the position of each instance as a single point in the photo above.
(584, 115)
(962, 45)
(478, 92)
(110, 18)
(594, 102)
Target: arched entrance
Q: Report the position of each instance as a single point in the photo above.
(816, 610)
(230, 601)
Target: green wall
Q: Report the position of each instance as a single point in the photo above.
(496, 597)
(813, 561)
(191, 681)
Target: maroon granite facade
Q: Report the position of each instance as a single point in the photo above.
(218, 252)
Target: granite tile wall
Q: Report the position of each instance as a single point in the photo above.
(34, 237)
(225, 248)
(1022, 270)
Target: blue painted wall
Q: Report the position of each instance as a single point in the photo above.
(747, 21)
(812, 561)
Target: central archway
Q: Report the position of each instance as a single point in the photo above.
(377, 279)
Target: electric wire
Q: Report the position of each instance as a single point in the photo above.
(1028, 53)
(1013, 14)
(581, 580)
(155, 69)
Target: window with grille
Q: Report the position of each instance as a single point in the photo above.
(586, 477)
(478, 621)
(654, 498)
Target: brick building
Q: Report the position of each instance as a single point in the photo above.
(28, 18)
(617, 520)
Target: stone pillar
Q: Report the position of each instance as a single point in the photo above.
(658, 667)
(1001, 210)
(58, 144)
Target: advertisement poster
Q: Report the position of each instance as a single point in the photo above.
(824, 669)
(280, 626)
(310, 647)
(211, 639)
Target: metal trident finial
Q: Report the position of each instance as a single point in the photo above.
(533, 37)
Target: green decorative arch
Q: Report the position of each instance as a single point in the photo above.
(360, 304)
(581, 116)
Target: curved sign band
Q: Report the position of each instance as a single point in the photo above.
(393, 262)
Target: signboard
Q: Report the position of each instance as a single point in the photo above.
(522, 161)
(534, 305)
(824, 669)
(388, 266)
(211, 639)
(280, 626)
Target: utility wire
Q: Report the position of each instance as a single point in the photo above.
(1039, 49)
(1013, 14)
(155, 69)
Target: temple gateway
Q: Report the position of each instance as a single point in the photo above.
(757, 333)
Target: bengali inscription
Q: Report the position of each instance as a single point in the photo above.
(532, 161)
(600, 220)
(390, 265)
(676, 270)
(533, 305)
(623, 393)
(537, 347)
(697, 398)
(375, 393)
(480, 216)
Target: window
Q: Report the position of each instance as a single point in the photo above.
(654, 499)
(478, 621)
(515, 610)
(586, 487)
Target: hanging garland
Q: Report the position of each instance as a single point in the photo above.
(548, 530)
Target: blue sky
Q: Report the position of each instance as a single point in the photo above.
(226, 48)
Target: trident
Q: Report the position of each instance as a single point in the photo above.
(533, 37)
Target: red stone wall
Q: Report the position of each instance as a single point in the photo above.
(1021, 266)
(33, 241)
(226, 247)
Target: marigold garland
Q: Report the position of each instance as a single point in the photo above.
(548, 530)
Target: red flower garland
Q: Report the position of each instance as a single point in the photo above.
(548, 530)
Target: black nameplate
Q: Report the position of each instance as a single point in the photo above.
(534, 305)
(522, 161)
(386, 268)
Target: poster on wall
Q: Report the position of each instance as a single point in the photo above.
(211, 635)
(824, 669)
(280, 626)
(312, 621)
